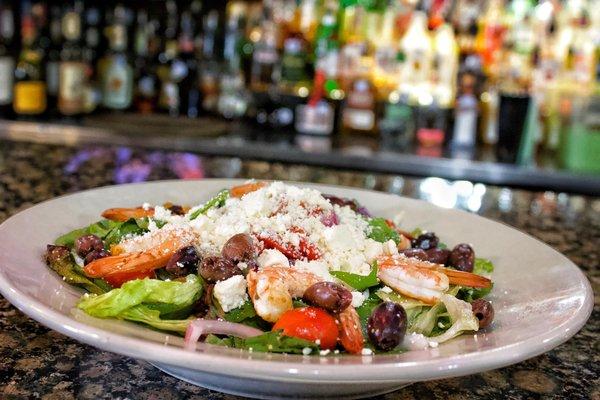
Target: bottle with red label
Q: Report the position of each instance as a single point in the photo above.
(317, 117)
(358, 110)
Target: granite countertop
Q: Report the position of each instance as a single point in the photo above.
(36, 362)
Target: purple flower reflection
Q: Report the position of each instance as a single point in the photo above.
(82, 157)
(186, 165)
(133, 171)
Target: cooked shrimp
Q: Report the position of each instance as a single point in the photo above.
(351, 336)
(154, 251)
(123, 214)
(273, 288)
(421, 279)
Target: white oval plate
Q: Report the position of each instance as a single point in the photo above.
(540, 297)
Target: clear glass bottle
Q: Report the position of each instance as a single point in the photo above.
(117, 79)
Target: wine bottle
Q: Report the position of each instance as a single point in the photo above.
(7, 59)
(72, 69)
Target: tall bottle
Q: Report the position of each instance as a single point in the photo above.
(168, 99)
(7, 59)
(186, 69)
(317, 117)
(145, 92)
(30, 99)
(117, 76)
(418, 52)
(264, 58)
(359, 109)
(73, 69)
(53, 58)
(209, 67)
(445, 58)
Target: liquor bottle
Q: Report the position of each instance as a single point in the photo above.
(92, 50)
(7, 59)
(117, 73)
(145, 93)
(72, 69)
(209, 66)
(465, 113)
(30, 87)
(185, 69)
(490, 36)
(385, 74)
(53, 58)
(396, 125)
(464, 21)
(418, 51)
(445, 66)
(327, 51)
(233, 96)
(294, 59)
(264, 58)
(358, 112)
(317, 117)
(168, 99)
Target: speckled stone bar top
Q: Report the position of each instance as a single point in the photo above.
(36, 362)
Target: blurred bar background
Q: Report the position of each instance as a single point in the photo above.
(500, 92)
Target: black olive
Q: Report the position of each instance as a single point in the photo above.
(328, 295)
(462, 257)
(437, 255)
(184, 262)
(386, 326)
(88, 243)
(425, 241)
(484, 312)
(239, 248)
(56, 253)
(95, 255)
(215, 269)
(415, 253)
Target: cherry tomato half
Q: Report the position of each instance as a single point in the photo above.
(118, 279)
(310, 323)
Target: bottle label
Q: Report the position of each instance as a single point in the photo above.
(7, 66)
(317, 120)
(118, 86)
(30, 97)
(362, 120)
(52, 77)
(71, 92)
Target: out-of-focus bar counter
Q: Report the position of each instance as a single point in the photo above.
(39, 162)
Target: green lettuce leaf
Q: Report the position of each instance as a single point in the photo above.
(366, 309)
(481, 267)
(166, 299)
(460, 316)
(148, 316)
(358, 282)
(273, 342)
(109, 231)
(380, 231)
(217, 201)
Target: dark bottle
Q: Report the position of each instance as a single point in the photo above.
(92, 50)
(53, 58)
(264, 58)
(72, 69)
(7, 59)
(317, 117)
(146, 89)
(185, 69)
(209, 67)
(168, 99)
(30, 99)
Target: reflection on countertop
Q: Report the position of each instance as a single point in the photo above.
(38, 362)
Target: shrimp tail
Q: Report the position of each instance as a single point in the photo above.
(350, 331)
(465, 278)
(124, 214)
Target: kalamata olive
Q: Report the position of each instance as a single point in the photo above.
(386, 326)
(239, 248)
(426, 241)
(341, 201)
(328, 295)
(94, 255)
(184, 262)
(176, 209)
(215, 269)
(437, 255)
(88, 243)
(462, 257)
(484, 312)
(415, 253)
(56, 253)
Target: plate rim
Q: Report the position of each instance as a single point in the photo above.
(449, 366)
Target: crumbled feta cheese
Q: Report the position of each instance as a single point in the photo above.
(318, 342)
(146, 206)
(270, 257)
(318, 268)
(366, 352)
(162, 214)
(324, 352)
(433, 344)
(357, 299)
(415, 341)
(231, 293)
(390, 248)
(242, 265)
(336, 351)
(386, 289)
(373, 249)
(306, 351)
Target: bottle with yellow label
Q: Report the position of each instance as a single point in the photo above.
(30, 86)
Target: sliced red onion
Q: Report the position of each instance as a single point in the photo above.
(330, 219)
(199, 327)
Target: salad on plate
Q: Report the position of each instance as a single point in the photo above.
(272, 267)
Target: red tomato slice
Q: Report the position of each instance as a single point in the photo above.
(310, 323)
(118, 279)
